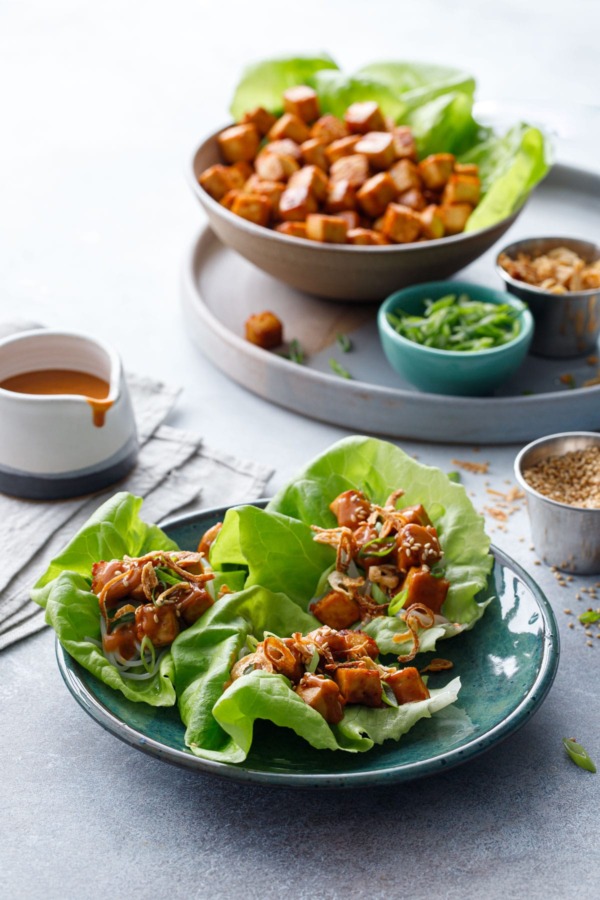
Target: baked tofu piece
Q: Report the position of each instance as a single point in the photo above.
(326, 229)
(303, 102)
(414, 199)
(432, 222)
(351, 217)
(354, 169)
(240, 142)
(159, 623)
(347, 646)
(404, 143)
(341, 196)
(406, 176)
(360, 686)
(336, 610)
(436, 170)
(375, 194)
(407, 685)
(364, 117)
(275, 166)
(217, 181)
(466, 169)
(417, 545)
(253, 207)
(415, 515)
(422, 587)
(351, 509)
(262, 120)
(323, 695)
(229, 198)
(285, 147)
(365, 236)
(401, 224)
(378, 147)
(313, 153)
(296, 203)
(270, 189)
(454, 216)
(329, 128)
(289, 126)
(265, 330)
(292, 229)
(240, 172)
(462, 189)
(342, 147)
(195, 604)
(314, 179)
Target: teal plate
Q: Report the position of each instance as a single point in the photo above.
(507, 665)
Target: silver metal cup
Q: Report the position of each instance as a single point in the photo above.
(566, 325)
(564, 536)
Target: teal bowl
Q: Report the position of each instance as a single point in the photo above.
(475, 373)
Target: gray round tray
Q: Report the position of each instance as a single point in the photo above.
(220, 290)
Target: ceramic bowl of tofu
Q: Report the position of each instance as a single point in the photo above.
(321, 266)
(68, 427)
(460, 373)
(558, 474)
(567, 322)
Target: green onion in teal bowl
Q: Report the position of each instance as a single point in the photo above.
(454, 337)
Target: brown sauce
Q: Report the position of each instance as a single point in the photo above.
(64, 381)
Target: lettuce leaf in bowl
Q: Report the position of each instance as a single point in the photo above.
(418, 83)
(64, 590)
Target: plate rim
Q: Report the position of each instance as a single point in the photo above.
(527, 706)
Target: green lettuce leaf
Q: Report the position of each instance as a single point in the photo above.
(113, 531)
(338, 91)
(263, 83)
(418, 83)
(220, 720)
(445, 122)
(378, 468)
(509, 167)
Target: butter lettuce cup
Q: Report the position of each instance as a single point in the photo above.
(416, 322)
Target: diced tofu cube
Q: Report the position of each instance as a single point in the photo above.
(436, 170)
(342, 147)
(406, 176)
(159, 623)
(417, 545)
(303, 102)
(351, 218)
(327, 229)
(375, 194)
(240, 142)
(274, 166)
(217, 181)
(401, 224)
(265, 330)
(454, 216)
(378, 147)
(414, 199)
(354, 169)
(432, 222)
(240, 173)
(378, 224)
(323, 695)
(462, 189)
(466, 169)
(270, 189)
(404, 143)
(262, 120)
(351, 645)
(328, 128)
(195, 604)
(229, 198)
(340, 196)
(415, 515)
(407, 685)
(289, 126)
(360, 686)
(292, 229)
(363, 117)
(336, 610)
(314, 179)
(296, 203)
(423, 587)
(285, 147)
(365, 236)
(253, 207)
(313, 153)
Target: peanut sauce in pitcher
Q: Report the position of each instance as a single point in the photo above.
(64, 381)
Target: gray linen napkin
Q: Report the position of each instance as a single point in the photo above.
(175, 470)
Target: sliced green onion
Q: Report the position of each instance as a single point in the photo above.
(387, 695)
(166, 576)
(453, 476)
(339, 369)
(344, 342)
(397, 602)
(377, 547)
(295, 352)
(147, 644)
(314, 662)
(579, 755)
(589, 617)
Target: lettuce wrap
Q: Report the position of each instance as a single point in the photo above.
(435, 101)
(277, 548)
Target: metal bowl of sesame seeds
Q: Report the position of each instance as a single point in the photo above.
(560, 475)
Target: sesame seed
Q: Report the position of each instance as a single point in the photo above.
(571, 625)
(590, 643)
(568, 612)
